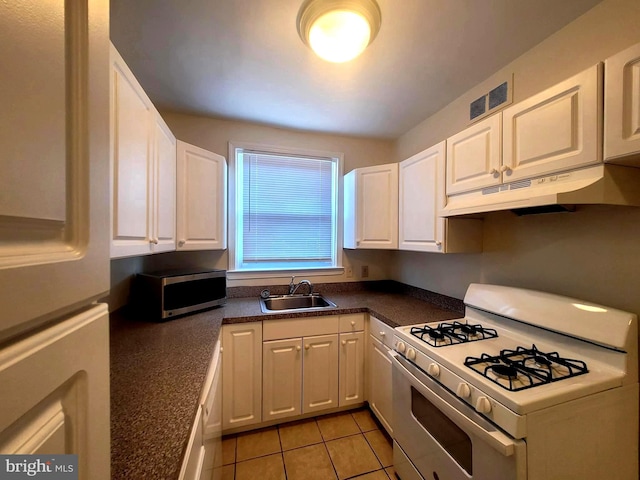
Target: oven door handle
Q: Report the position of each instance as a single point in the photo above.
(479, 427)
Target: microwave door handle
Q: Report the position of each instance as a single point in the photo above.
(498, 440)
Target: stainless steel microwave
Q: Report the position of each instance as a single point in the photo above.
(170, 293)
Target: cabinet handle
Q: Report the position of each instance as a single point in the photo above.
(298, 348)
(505, 169)
(382, 334)
(438, 244)
(493, 171)
(153, 240)
(344, 342)
(353, 323)
(307, 347)
(181, 243)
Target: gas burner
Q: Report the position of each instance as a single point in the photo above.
(452, 333)
(505, 371)
(525, 367)
(435, 334)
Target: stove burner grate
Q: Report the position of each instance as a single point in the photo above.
(525, 367)
(452, 333)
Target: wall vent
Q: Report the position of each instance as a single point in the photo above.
(492, 101)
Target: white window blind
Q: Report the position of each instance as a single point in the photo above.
(288, 212)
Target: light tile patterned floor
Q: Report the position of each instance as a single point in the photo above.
(332, 447)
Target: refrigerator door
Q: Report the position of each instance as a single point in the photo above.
(54, 172)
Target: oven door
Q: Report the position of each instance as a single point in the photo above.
(443, 437)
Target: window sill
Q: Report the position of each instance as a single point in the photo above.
(262, 274)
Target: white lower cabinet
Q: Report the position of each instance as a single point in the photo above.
(192, 465)
(379, 368)
(320, 373)
(204, 447)
(282, 378)
(241, 374)
(310, 365)
(351, 362)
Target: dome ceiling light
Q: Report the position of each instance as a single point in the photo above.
(338, 30)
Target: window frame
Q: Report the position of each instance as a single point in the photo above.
(234, 201)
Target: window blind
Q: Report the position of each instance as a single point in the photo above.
(288, 211)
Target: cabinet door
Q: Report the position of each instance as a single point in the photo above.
(421, 197)
(380, 369)
(557, 129)
(371, 207)
(622, 107)
(164, 204)
(193, 462)
(212, 415)
(241, 374)
(474, 156)
(202, 199)
(281, 379)
(132, 164)
(351, 364)
(54, 160)
(55, 393)
(320, 373)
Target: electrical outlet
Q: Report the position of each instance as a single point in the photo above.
(349, 272)
(364, 271)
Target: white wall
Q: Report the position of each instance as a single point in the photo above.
(593, 253)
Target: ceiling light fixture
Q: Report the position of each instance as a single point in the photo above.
(339, 30)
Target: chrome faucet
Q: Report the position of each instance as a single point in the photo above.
(293, 287)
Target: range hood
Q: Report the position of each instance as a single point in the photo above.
(597, 185)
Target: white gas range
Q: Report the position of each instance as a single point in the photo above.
(527, 385)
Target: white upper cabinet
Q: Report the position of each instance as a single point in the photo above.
(555, 130)
(143, 163)
(164, 155)
(371, 207)
(54, 148)
(474, 156)
(421, 197)
(622, 107)
(202, 199)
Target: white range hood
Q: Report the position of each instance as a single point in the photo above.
(597, 185)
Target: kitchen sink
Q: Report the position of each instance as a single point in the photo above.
(295, 303)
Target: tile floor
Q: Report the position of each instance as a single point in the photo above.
(332, 447)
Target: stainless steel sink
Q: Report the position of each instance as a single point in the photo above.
(294, 303)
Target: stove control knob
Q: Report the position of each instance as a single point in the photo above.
(483, 405)
(433, 369)
(463, 391)
(411, 354)
(401, 347)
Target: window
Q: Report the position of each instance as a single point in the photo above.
(285, 209)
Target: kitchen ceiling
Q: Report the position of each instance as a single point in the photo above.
(244, 60)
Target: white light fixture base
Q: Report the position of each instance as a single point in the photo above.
(338, 30)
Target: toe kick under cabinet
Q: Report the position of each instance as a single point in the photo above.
(291, 367)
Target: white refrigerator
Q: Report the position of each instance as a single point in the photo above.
(54, 231)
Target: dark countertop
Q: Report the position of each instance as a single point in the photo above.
(158, 369)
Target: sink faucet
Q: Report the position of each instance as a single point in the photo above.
(294, 287)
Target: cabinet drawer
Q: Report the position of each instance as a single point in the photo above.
(299, 327)
(381, 331)
(351, 323)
